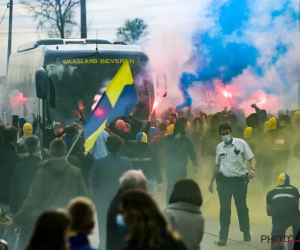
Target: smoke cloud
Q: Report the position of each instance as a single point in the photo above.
(247, 48)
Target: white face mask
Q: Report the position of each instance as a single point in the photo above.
(226, 138)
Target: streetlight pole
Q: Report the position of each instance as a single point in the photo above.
(10, 5)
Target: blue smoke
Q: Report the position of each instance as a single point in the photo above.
(224, 52)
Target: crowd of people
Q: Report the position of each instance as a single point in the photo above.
(117, 180)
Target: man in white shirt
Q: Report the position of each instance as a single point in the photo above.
(232, 179)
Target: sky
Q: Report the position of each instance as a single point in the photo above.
(102, 15)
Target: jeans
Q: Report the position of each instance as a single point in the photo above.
(8, 234)
(150, 186)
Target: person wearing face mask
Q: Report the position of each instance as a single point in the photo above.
(232, 177)
(179, 147)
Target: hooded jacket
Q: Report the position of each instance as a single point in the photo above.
(55, 184)
(188, 221)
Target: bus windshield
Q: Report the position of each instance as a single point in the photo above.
(72, 80)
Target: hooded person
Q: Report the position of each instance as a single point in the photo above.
(144, 158)
(27, 131)
(282, 205)
(56, 182)
(179, 148)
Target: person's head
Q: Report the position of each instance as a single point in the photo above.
(58, 148)
(232, 119)
(267, 126)
(162, 128)
(215, 121)
(21, 149)
(10, 135)
(58, 128)
(179, 130)
(273, 123)
(141, 137)
(284, 179)
(133, 179)
(51, 231)
(120, 125)
(79, 144)
(81, 211)
(183, 120)
(32, 144)
(188, 191)
(285, 120)
(197, 124)
(71, 131)
(114, 143)
(140, 214)
(27, 130)
(173, 118)
(297, 116)
(248, 133)
(225, 132)
(78, 125)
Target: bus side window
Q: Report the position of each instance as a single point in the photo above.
(52, 92)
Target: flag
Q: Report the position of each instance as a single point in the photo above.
(118, 99)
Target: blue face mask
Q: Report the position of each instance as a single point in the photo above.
(121, 224)
(226, 138)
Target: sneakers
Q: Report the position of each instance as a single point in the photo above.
(247, 236)
(222, 243)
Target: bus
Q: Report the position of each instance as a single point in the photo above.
(49, 77)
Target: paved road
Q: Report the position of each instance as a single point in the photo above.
(260, 223)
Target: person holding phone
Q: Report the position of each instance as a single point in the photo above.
(232, 179)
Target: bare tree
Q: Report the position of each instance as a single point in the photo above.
(55, 16)
(132, 30)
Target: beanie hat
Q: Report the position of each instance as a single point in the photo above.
(273, 123)
(247, 132)
(27, 130)
(178, 128)
(297, 116)
(141, 137)
(283, 179)
(171, 129)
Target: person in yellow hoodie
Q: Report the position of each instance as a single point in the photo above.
(27, 131)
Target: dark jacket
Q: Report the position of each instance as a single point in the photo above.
(105, 178)
(158, 143)
(8, 161)
(168, 244)
(143, 157)
(79, 242)
(178, 152)
(23, 177)
(129, 137)
(55, 184)
(188, 221)
(114, 237)
(86, 164)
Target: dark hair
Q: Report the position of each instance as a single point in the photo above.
(186, 190)
(58, 148)
(9, 134)
(147, 221)
(49, 232)
(32, 144)
(71, 131)
(224, 126)
(287, 119)
(182, 120)
(162, 127)
(114, 143)
(21, 149)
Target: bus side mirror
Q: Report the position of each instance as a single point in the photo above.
(41, 83)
